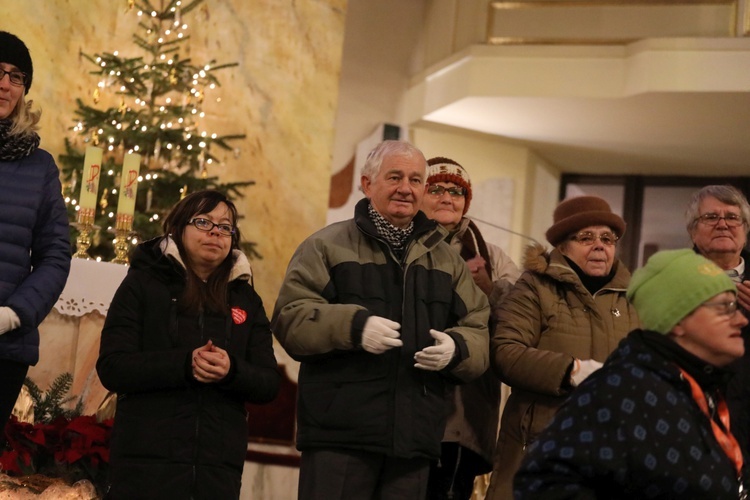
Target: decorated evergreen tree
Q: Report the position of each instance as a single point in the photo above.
(151, 104)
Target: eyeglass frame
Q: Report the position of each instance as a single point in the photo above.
(192, 222)
(11, 74)
(702, 219)
(453, 190)
(576, 238)
(730, 307)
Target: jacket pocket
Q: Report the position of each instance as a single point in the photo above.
(345, 392)
(346, 406)
(143, 429)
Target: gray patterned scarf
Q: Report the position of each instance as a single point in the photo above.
(15, 147)
(394, 236)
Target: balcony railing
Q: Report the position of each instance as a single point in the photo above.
(614, 21)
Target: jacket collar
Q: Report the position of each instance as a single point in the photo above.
(240, 270)
(422, 226)
(553, 264)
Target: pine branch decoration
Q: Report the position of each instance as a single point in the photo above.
(50, 405)
(152, 104)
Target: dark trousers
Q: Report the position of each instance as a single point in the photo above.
(452, 478)
(12, 375)
(329, 474)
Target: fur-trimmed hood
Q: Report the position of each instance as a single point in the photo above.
(240, 270)
(552, 263)
(536, 258)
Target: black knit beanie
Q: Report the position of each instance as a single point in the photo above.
(13, 51)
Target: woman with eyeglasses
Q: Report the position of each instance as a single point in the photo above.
(34, 241)
(471, 431)
(565, 315)
(185, 345)
(653, 421)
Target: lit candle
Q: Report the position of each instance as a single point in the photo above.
(90, 185)
(128, 189)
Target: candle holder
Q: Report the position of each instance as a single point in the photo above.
(85, 226)
(123, 230)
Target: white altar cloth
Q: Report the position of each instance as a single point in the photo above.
(90, 287)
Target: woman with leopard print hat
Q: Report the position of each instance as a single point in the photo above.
(34, 244)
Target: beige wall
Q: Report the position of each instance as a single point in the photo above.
(387, 43)
(283, 96)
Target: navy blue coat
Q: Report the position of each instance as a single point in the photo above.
(34, 249)
(633, 430)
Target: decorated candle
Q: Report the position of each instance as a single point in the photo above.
(90, 184)
(128, 189)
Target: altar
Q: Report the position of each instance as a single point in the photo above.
(69, 336)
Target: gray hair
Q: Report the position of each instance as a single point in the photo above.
(389, 148)
(726, 194)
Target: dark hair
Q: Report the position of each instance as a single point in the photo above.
(198, 295)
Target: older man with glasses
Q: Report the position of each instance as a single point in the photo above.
(717, 221)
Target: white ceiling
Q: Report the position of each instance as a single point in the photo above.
(678, 113)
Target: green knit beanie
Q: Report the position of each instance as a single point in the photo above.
(672, 284)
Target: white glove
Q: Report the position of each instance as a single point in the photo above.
(8, 320)
(436, 357)
(582, 369)
(380, 334)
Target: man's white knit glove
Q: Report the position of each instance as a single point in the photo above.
(582, 369)
(436, 357)
(380, 334)
(8, 320)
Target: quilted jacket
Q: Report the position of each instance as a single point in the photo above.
(34, 249)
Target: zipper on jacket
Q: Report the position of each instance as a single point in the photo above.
(196, 434)
(194, 481)
(201, 323)
(525, 435)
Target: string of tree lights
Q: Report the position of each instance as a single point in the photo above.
(152, 104)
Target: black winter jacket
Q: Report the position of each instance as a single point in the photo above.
(174, 437)
(632, 430)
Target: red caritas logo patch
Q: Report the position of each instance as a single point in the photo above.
(238, 315)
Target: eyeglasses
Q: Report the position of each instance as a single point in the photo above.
(206, 225)
(16, 77)
(712, 219)
(587, 238)
(438, 190)
(726, 308)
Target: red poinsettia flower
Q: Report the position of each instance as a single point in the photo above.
(77, 448)
(9, 461)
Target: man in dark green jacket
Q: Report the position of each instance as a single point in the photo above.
(382, 314)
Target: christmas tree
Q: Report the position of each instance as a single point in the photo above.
(149, 102)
